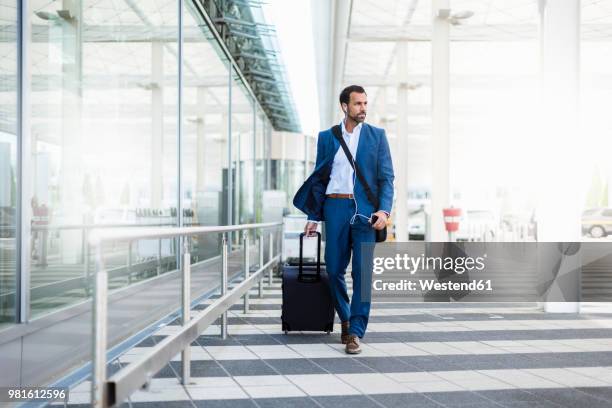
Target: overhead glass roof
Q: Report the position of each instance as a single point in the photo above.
(252, 43)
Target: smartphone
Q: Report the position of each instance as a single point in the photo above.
(373, 219)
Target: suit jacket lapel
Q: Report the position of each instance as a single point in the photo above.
(363, 137)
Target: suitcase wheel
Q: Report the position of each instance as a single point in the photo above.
(328, 331)
(286, 332)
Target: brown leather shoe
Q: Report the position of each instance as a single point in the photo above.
(344, 335)
(352, 346)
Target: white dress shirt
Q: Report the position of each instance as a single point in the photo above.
(342, 173)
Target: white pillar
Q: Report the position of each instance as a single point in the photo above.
(561, 193)
(157, 123)
(440, 185)
(200, 141)
(401, 165)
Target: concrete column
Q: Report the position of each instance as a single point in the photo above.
(157, 123)
(440, 186)
(401, 165)
(560, 185)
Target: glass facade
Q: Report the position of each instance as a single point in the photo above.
(103, 138)
(103, 145)
(8, 159)
(206, 107)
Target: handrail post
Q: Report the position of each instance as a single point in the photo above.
(186, 300)
(261, 263)
(130, 262)
(99, 323)
(247, 266)
(224, 283)
(159, 256)
(86, 262)
(271, 256)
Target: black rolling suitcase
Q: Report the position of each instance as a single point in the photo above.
(307, 301)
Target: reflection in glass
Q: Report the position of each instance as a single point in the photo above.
(104, 97)
(8, 159)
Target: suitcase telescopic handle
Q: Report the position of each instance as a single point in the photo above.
(301, 260)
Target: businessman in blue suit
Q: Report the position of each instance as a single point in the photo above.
(333, 194)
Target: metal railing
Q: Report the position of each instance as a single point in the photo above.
(106, 392)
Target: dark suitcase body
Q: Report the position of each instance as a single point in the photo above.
(307, 302)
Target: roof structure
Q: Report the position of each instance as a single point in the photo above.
(253, 45)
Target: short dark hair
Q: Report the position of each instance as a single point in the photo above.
(345, 95)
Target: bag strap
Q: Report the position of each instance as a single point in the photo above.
(337, 132)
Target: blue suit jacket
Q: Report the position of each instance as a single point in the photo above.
(373, 159)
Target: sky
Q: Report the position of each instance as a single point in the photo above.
(293, 22)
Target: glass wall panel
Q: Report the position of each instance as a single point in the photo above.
(104, 140)
(288, 176)
(205, 130)
(8, 159)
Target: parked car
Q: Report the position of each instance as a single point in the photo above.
(597, 222)
(417, 225)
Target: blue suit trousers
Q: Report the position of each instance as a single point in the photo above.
(342, 237)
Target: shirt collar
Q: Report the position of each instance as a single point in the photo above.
(355, 129)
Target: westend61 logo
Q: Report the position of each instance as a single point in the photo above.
(413, 264)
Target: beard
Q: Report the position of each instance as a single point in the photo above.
(359, 118)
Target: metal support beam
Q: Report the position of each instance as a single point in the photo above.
(24, 157)
(246, 266)
(261, 262)
(100, 334)
(271, 255)
(224, 269)
(186, 309)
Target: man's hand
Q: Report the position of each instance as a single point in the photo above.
(381, 221)
(310, 229)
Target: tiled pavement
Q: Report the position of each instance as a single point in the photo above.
(416, 355)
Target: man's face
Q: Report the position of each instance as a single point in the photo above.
(357, 107)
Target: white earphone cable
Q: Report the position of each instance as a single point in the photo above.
(356, 214)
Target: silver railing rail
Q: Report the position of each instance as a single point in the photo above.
(108, 392)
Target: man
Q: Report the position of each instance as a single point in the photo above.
(333, 194)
